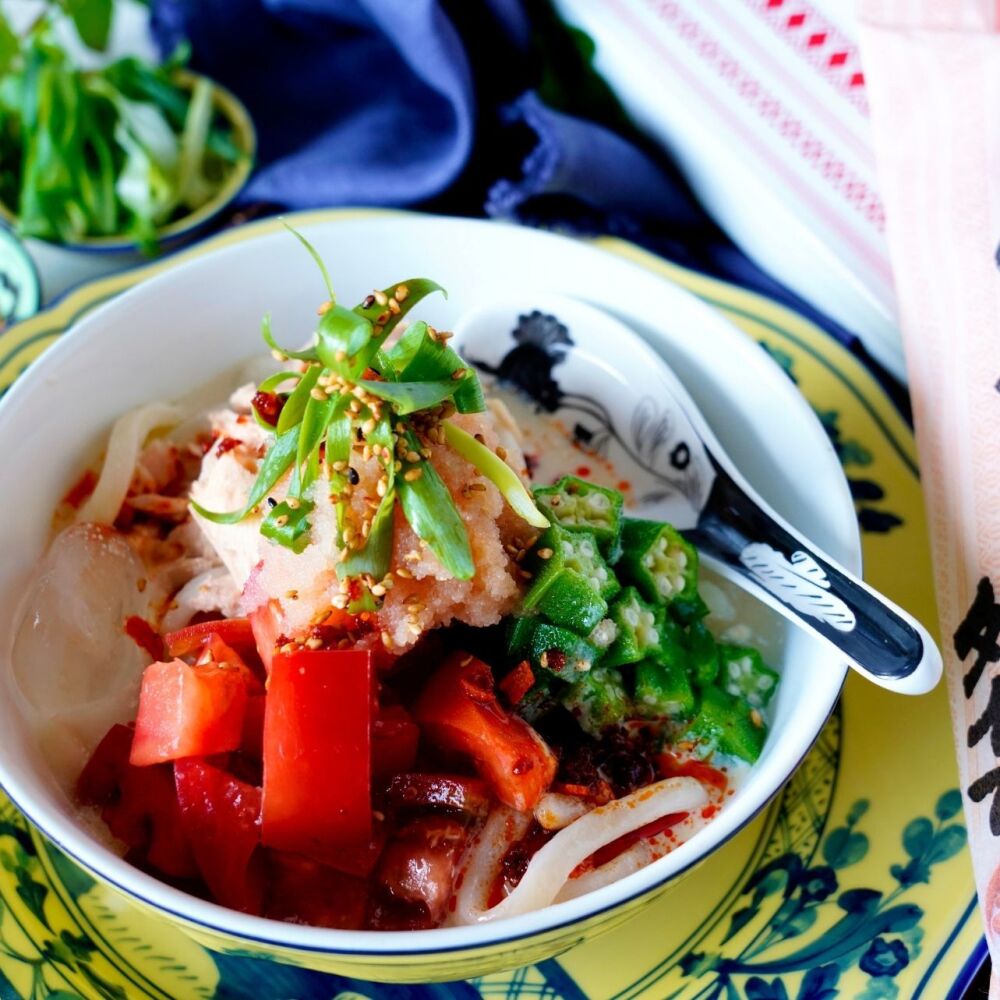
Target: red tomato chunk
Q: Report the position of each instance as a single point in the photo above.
(187, 711)
(317, 751)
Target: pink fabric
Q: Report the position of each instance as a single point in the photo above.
(933, 74)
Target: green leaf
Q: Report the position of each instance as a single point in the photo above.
(92, 19)
(277, 462)
(917, 836)
(408, 397)
(375, 558)
(946, 844)
(950, 804)
(843, 847)
(431, 512)
(9, 45)
(497, 471)
(295, 407)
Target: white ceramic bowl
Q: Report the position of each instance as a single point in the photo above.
(196, 320)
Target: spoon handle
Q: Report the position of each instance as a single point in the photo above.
(879, 639)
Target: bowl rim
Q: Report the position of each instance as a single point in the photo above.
(213, 918)
(245, 135)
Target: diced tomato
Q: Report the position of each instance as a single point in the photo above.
(187, 711)
(518, 682)
(253, 726)
(216, 650)
(307, 892)
(317, 751)
(265, 621)
(235, 632)
(221, 819)
(139, 805)
(394, 743)
(144, 636)
(101, 777)
(458, 710)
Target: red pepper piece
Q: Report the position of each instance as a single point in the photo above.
(221, 818)
(235, 632)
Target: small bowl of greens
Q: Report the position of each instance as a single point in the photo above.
(124, 160)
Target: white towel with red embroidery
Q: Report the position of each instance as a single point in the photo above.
(763, 103)
(933, 70)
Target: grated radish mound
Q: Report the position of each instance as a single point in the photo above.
(425, 596)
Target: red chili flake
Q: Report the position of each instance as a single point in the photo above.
(518, 682)
(227, 444)
(268, 406)
(624, 486)
(144, 636)
(583, 470)
(81, 490)
(556, 660)
(709, 811)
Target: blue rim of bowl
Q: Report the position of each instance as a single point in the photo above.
(220, 927)
(245, 135)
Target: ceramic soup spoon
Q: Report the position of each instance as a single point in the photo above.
(628, 405)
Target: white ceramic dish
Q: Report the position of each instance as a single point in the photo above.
(193, 322)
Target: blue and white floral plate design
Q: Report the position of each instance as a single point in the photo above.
(855, 884)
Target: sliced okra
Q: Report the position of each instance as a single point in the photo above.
(578, 505)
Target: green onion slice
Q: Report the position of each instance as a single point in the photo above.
(407, 397)
(497, 471)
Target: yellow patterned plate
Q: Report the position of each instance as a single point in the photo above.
(855, 883)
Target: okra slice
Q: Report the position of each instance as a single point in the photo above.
(727, 725)
(571, 580)
(597, 700)
(549, 648)
(577, 505)
(604, 634)
(703, 654)
(659, 561)
(662, 690)
(744, 674)
(638, 635)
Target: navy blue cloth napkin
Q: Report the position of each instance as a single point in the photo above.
(465, 106)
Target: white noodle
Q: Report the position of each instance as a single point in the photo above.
(627, 863)
(124, 445)
(554, 811)
(480, 864)
(549, 869)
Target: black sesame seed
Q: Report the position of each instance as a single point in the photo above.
(352, 476)
(369, 302)
(272, 503)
